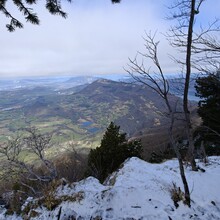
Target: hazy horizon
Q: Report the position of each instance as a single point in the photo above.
(97, 38)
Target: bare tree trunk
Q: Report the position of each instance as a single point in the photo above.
(201, 50)
(161, 86)
(205, 159)
(180, 161)
(186, 88)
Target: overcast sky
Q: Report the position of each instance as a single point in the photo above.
(96, 38)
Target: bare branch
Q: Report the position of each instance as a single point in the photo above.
(138, 72)
(14, 166)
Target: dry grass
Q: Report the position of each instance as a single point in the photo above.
(176, 195)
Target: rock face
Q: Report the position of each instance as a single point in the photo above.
(138, 190)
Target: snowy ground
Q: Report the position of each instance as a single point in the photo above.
(140, 190)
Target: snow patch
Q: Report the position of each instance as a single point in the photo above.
(140, 190)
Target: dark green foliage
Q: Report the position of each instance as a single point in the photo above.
(208, 89)
(155, 158)
(27, 12)
(53, 6)
(114, 149)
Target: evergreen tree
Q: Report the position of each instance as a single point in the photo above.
(53, 6)
(208, 89)
(114, 149)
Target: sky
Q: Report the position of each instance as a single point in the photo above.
(97, 38)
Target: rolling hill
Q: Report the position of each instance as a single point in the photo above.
(82, 113)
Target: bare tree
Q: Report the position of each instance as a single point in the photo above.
(72, 164)
(160, 85)
(201, 51)
(180, 36)
(14, 166)
(206, 49)
(196, 47)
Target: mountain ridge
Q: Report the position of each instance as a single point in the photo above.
(84, 112)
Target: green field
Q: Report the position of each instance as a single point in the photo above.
(80, 117)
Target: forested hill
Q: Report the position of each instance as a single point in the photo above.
(133, 107)
(83, 112)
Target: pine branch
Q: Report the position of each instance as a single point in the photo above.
(29, 16)
(54, 7)
(30, 2)
(14, 23)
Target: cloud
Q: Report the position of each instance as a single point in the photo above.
(96, 38)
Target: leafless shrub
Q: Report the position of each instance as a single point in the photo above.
(71, 166)
(26, 171)
(25, 176)
(176, 194)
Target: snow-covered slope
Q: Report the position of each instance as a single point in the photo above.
(139, 190)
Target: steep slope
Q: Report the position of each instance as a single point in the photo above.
(134, 107)
(139, 190)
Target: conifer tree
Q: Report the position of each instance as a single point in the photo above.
(208, 89)
(26, 8)
(114, 149)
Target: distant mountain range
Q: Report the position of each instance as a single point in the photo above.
(68, 82)
(132, 106)
(82, 112)
(53, 82)
(56, 82)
